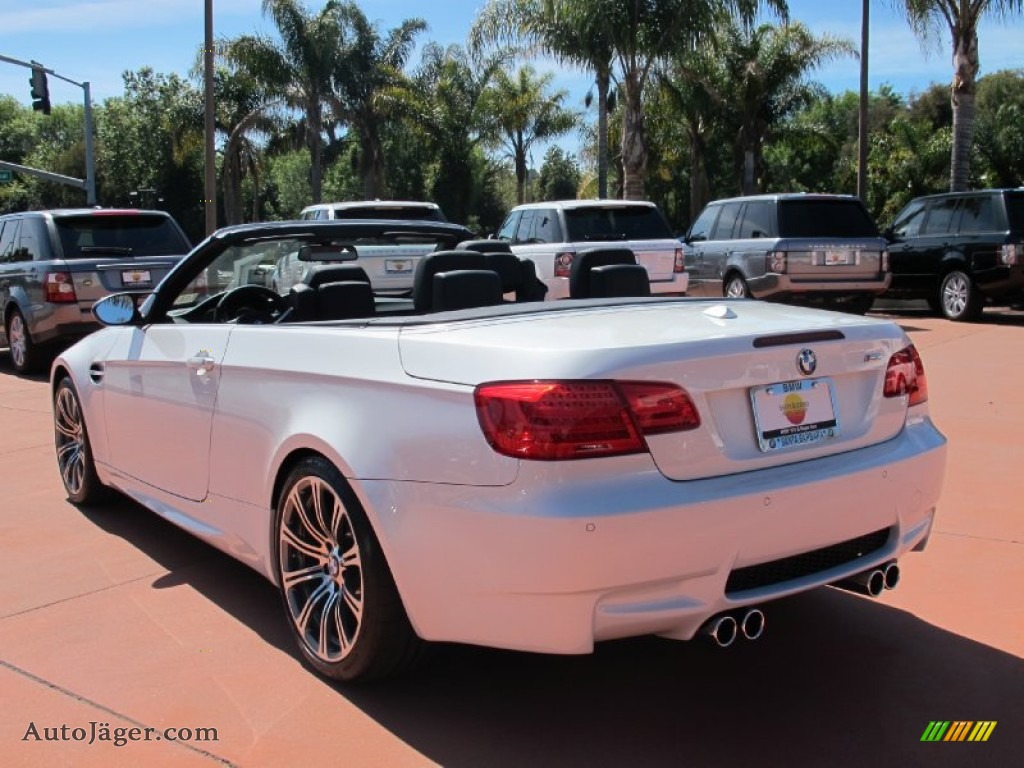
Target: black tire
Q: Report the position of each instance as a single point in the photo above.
(74, 454)
(26, 356)
(959, 298)
(935, 304)
(735, 287)
(339, 597)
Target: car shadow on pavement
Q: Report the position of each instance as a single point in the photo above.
(836, 680)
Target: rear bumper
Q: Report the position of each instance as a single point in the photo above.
(774, 285)
(64, 322)
(560, 559)
(677, 285)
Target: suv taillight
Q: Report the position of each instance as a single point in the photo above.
(775, 262)
(59, 287)
(905, 376)
(563, 263)
(1012, 254)
(679, 265)
(885, 260)
(573, 419)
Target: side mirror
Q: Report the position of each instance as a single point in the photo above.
(117, 309)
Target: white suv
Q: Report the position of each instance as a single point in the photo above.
(551, 234)
(375, 209)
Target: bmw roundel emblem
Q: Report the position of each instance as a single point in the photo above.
(807, 362)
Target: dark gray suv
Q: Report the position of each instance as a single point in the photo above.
(793, 246)
(54, 265)
(960, 251)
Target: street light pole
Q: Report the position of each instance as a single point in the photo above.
(862, 127)
(210, 182)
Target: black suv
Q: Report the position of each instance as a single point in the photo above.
(54, 265)
(959, 251)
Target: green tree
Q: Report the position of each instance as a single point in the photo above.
(641, 33)
(559, 176)
(580, 38)
(368, 78)
(1000, 128)
(961, 18)
(525, 111)
(300, 67)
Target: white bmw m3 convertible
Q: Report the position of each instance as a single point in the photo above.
(467, 463)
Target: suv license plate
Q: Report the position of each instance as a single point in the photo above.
(794, 413)
(135, 277)
(398, 266)
(833, 258)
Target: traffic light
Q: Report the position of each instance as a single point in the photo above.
(40, 91)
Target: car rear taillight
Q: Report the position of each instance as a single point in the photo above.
(563, 263)
(905, 376)
(553, 420)
(679, 265)
(885, 261)
(1011, 254)
(59, 288)
(775, 262)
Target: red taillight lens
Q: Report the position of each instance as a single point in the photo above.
(59, 287)
(905, 376)
(552, 420)
(563, 263)
(680, 261)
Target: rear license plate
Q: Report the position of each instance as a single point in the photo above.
(136, 277)
(794, 413)
(833, 258)
(398, 266)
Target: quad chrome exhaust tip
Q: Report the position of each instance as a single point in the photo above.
(873, 581)
(752, 624)
(725, 629)
(722, 629)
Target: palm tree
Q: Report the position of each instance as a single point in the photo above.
(961, 18)
(367, 78)
(580, 38)
(300, 67)
(525, 111)
(765, 70)
(640, 35)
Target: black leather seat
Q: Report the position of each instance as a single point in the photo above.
(585, 261)
(465, 288)
(485, 246)
(344, 300)
(432, 264)
(318, 274)
(619, 280)
(341, 300)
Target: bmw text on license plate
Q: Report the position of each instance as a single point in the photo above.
(134, 277)
(794, 413)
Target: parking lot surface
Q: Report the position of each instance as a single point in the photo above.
(113, 618)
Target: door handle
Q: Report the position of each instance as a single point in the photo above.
(201, 364)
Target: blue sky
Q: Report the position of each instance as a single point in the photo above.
(96, 40)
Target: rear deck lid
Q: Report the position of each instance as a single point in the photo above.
(739, 361)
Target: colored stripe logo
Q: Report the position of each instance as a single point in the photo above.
(958, 730)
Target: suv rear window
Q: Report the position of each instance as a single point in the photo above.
(1015, 212)
(825, 218)
(641, 222)
(119, 235)
(402, 213)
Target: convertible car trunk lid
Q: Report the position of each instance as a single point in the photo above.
(769, 390)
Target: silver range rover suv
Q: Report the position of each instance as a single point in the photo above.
(54, 265)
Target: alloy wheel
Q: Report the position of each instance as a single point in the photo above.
(16, 340)
(321, 569)
(736, 288)
(955, 294)
(70, 436)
